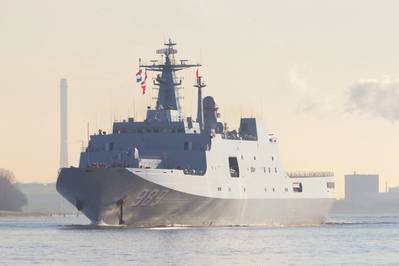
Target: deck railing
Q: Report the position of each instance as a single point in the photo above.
(310, 174)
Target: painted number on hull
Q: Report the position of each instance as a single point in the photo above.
(149, 197)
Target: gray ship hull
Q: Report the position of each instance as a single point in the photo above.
(99, 194)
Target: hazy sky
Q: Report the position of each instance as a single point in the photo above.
(323, 75)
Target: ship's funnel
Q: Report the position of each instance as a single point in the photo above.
(210, 113)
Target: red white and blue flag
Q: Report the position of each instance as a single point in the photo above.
(138, 76)
(142, 80)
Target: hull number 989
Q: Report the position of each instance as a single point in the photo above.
(148, 197)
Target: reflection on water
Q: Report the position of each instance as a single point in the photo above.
(343, 240)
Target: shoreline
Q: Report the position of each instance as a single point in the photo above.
(29, 214)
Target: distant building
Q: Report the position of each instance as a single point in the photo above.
(394, 190)
(44, 198)
(358, 187)
(362, 196)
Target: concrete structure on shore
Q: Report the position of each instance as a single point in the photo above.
(44, 199)
(362, 196)
(360, 186)
(63, 123)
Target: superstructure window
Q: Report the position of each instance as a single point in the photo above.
(109, 146)
(297, 187)
(233, 167)
(188, 145)
(330, 185)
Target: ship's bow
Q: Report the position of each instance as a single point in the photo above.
(98, 193)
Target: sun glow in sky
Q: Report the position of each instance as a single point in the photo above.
(322, 75)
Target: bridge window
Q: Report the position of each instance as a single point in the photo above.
(297, 187)
(330, 185)
(109, 146)
(233, 167)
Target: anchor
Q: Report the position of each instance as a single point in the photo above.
(120, 204)
(79, 204)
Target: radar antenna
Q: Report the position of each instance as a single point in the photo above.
(167, 81)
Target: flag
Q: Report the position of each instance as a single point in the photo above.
(139, 78)
(143, 85)
(196, 74)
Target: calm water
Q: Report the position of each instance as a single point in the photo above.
(69, 241)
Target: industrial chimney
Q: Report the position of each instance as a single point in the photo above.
(63, 123)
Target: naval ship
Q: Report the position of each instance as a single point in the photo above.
(170, 170)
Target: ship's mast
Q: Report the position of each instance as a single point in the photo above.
(166, 81)
(200, 117)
